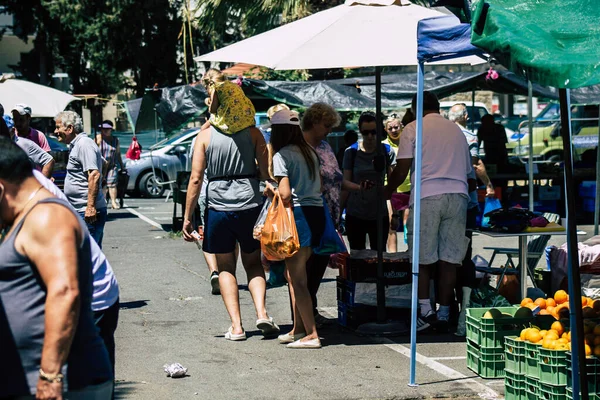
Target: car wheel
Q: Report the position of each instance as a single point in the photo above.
(149, 186)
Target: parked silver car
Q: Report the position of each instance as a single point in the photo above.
(168, 157)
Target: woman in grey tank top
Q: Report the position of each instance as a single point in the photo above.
(43, 275)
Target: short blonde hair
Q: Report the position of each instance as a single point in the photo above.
(320, 112)
(277, 107)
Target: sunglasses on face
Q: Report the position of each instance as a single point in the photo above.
(369, 132)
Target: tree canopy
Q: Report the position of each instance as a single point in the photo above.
(108, 45)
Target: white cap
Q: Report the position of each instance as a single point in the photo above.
(285, 117)
(22, 109)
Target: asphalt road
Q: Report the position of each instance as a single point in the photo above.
(168, 315)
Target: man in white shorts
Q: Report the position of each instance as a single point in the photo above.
(444, 198)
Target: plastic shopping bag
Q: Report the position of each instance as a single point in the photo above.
(260, 222)
(491, 204)
(279, 239)
(331, 241)
(134, 151)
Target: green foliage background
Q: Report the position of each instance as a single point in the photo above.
(109, 45)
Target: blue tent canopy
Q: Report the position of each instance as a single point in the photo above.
(442, 38)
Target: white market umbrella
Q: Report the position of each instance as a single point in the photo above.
(355, 34)
(43, 100)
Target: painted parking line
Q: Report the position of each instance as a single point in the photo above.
(482, 390)
(145, 219)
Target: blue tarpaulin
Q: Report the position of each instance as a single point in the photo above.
(444, 38)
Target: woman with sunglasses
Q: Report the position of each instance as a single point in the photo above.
(361, 207)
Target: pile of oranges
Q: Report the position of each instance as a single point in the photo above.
(558, 306)
(556, 338)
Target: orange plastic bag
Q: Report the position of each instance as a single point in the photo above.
(279, 238)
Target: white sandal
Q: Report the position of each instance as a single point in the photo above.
(235, 337)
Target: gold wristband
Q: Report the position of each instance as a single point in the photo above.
(52, 378)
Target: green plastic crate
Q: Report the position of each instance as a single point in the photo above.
(487, 363)
(514, 354)
(513, 390)
(472, 358)
(592, 371)
(552, 366)
(531, 388)
(552, 392)
(490, 332)
(516, 381)
(531, 360)
(569, 395)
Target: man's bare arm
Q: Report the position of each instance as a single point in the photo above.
(93, 180)
(55, 257)
(48, 168)
(398, 174)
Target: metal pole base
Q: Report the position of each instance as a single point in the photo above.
(389, 328)
(414, 385)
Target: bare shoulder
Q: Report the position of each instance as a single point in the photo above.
(47, 223)
(256, 134)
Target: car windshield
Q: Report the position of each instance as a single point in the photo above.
(550, 113)
(172, 139)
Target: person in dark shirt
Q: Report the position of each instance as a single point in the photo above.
(494, 140)
(350, 137)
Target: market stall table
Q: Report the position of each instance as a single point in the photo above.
(523, 253)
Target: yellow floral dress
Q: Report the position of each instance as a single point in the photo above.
(235, 112)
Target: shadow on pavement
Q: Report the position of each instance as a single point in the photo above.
(124, 388)
(133, 304)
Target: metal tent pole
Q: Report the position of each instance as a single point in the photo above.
(597, 203)
(416, 226)
(530, 161)
(380, 239)
(382, 327)
(578, 361)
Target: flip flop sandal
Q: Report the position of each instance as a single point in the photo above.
(235, 337)
(267, 326)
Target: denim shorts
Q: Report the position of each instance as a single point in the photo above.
(310, 224)
(222, 229)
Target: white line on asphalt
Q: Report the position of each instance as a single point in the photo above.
(449, 358)
(144, 218)
(482, 390)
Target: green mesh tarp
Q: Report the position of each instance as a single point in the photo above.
(551, 42)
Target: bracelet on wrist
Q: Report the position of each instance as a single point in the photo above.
(52, 378)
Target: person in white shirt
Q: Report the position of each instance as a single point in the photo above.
(444, 198)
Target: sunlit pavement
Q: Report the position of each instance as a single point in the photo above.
(168, 315)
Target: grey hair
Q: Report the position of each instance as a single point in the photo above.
(320, 112)
(70, 118)
(458, 113)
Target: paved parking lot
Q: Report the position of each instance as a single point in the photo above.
(168, 315)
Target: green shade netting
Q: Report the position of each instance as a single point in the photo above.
(551, 42)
